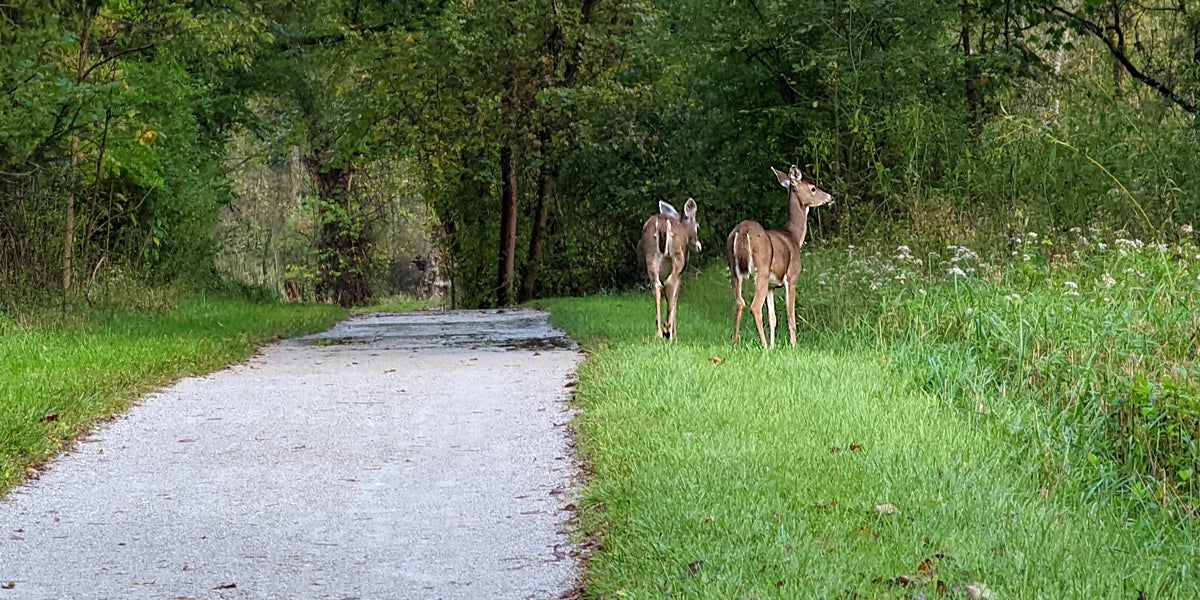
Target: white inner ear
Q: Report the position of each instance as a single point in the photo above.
(666, 209)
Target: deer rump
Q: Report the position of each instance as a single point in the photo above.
(749, 235)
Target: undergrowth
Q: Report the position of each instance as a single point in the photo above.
(1083, 343)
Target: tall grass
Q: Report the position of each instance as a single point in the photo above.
(1082, 343)
(953, 421)
(58, 379)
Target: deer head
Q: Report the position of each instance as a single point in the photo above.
(806, 193)
(688, 219)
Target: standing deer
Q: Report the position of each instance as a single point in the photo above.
(666, 236)
(772, 257)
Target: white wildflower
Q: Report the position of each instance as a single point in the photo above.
(1031, 235)
(1071, 285)
(970, 311)
(1076, 230)
(1025, 257)
(1108, 280)
(957, 272)
(1186, 228)
(1102, 246)
(922, 290)
(1014, 298)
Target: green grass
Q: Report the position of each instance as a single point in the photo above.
(741, 473)
(57, 381)
(402, 304)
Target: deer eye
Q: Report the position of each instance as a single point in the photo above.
(812, 190)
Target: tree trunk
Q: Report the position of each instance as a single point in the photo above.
(508, 227)
(343, 250)
(69, 225)
(545, 189)
(970, 83)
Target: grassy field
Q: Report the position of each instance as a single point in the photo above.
(949, 424)
(57, 381)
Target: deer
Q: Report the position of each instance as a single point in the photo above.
(772, 257)
(667, 236)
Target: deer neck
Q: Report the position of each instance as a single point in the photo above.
(797, 223)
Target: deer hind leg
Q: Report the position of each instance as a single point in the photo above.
(673, 281)
(739, 303)
(761, 287)
(657, 285)
(771, 314)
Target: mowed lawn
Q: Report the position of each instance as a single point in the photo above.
(821, 471)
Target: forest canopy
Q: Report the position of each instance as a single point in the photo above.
(322, 148)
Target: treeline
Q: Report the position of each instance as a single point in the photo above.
(542, 132)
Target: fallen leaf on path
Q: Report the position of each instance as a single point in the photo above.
(226, 586)
(886, 508)
(855, 447)
(187, 440)
(8, 585)
(50, 416)
(716, 360)
(694, 566)
(834, 449)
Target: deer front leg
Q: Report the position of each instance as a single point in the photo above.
(789, 289)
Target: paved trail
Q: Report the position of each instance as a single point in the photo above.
(418, 455)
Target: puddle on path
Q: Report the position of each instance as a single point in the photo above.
(519, 329)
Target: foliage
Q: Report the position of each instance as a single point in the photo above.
(1081, 345)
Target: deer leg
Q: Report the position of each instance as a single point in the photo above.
(739, 304)
(760, 295)
(657, 285)
(771, 314)
(672, 297)
(789, 289)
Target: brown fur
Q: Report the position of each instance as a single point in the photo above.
(767, 255)
(665, 237)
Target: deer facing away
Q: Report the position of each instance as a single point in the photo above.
(667, 237)
(772, 257)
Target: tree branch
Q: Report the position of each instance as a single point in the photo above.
(1117, 53)
(84, 75)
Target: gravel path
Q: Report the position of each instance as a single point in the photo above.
(416, 455)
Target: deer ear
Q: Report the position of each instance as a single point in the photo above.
(795, 173)
(782, 177)
(666, 209)
(689, 209)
